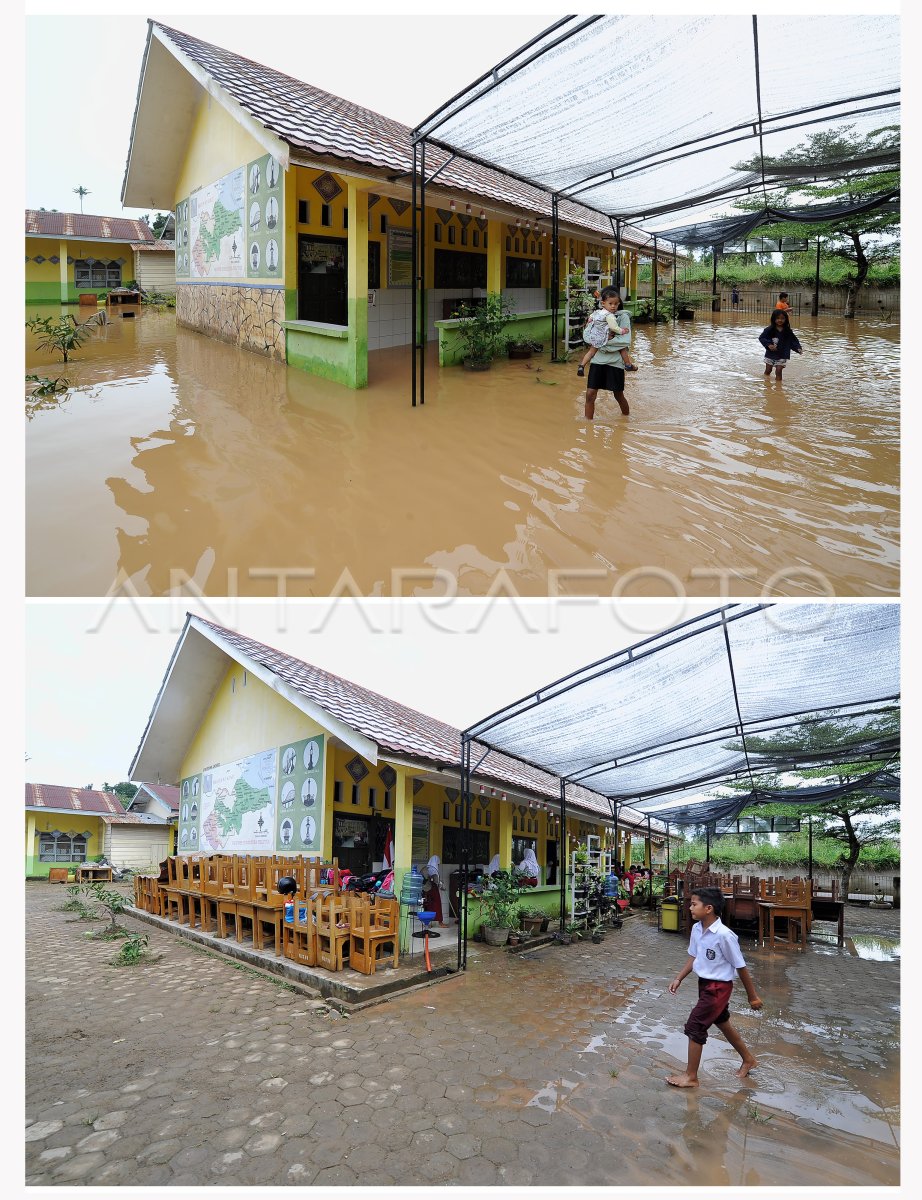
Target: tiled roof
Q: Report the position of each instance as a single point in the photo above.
(52, 796)
(165, 793)
(316, 122)
(405, 733)
(80, 225)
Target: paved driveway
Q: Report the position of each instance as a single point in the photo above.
(544, 1068)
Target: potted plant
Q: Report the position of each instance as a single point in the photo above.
(518, 348)
(480, 328)
(531, 919)
(499, 897)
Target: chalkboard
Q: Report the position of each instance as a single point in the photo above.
(458, 269)
(478, 840)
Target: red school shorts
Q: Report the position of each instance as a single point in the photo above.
(712, 1008)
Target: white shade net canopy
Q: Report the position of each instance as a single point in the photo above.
(686, 709)
(638, 116)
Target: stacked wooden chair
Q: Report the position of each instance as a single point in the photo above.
(375, 927)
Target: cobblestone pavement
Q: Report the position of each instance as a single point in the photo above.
(545, 1067)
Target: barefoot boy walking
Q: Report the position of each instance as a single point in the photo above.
(714, 955)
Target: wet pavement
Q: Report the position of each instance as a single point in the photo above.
(544, 1067)
(174, 457)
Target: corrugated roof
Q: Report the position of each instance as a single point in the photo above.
(403, 732)
(317, 123)
(53, 796)
(158, 247)
(82, 225)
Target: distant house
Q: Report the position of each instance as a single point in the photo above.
(155, 265)
(69, 254)
(158, 800)
(67, 826)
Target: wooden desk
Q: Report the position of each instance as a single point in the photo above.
(825, 909)
(93, 872)
(769, 912)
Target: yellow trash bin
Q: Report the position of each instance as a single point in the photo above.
(669, 914)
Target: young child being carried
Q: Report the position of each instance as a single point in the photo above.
(608, 326)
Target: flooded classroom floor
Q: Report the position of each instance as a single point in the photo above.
(546, 1067)
(174, 457)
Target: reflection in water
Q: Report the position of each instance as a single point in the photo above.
(188, 458)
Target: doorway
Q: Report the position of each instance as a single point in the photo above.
(322, 293)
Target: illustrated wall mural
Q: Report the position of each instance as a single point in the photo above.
(266, 802)
(298, 820)
(232, 228)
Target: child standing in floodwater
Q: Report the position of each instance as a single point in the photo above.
(779, 339)
(714, 955)
(608, 326)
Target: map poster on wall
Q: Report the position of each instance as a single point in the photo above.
(238, 805)
(300, 808)
(399, 258)
(217, 242)
(264, 215)
(190, 810)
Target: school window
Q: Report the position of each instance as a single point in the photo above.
(382, 224)
(476, 237)
(463, 237)
(355, 793)
(446, 811)
(372, 797)
(374, 265)
(508, 243)
(420, 836)
(326, 215)
(517, 250)
(437, 233)
(345, 218)
(484, 241)
(387, 799)
(93, 273)
(304, 212)
(451, 235)
(61, 847)
(337, 792)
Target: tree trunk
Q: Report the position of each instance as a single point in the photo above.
(855, 285)
(848, 859)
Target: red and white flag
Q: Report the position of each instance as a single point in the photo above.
(389, 849)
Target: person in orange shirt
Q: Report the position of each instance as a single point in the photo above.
(782, 302)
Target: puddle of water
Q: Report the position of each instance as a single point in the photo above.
(175, 456)
(862, 945)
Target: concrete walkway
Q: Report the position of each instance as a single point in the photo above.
(538, 1068)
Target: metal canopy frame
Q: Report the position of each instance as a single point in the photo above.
(555, 37)
(515, 725)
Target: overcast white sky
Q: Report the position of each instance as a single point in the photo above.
(93, 669)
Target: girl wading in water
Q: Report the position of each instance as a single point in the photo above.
(779, 340)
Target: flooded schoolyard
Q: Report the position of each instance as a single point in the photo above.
(174, 457)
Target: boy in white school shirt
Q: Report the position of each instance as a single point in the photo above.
(714, 955)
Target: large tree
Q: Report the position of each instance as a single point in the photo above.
(856, 819)
(858, 240)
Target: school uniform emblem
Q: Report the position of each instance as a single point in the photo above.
(710, 954)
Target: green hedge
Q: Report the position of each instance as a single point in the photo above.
(791, 851)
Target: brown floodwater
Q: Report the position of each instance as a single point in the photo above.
(173, 457)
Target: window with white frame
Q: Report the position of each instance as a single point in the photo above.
(62, 847)
(95, 273)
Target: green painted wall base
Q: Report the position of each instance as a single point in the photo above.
(534, 326)
(326, 351)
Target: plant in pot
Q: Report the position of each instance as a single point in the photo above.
(499, 906)
(531, 919)
(518, 347)
(481, 330)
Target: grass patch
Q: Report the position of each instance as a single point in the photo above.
(752, 1112)
(132, 951)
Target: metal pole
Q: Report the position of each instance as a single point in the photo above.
(674, 265)
(707, 843)
(424, 319)
(555, 278)
(414, 253)
(654, 279)
(816, 283)
(715, 300)
(618, 256)
(810, 847)
(649, 865)
(668, 864)
(464, 864)
(563, 843)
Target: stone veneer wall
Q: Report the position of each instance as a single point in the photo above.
(250, 317)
